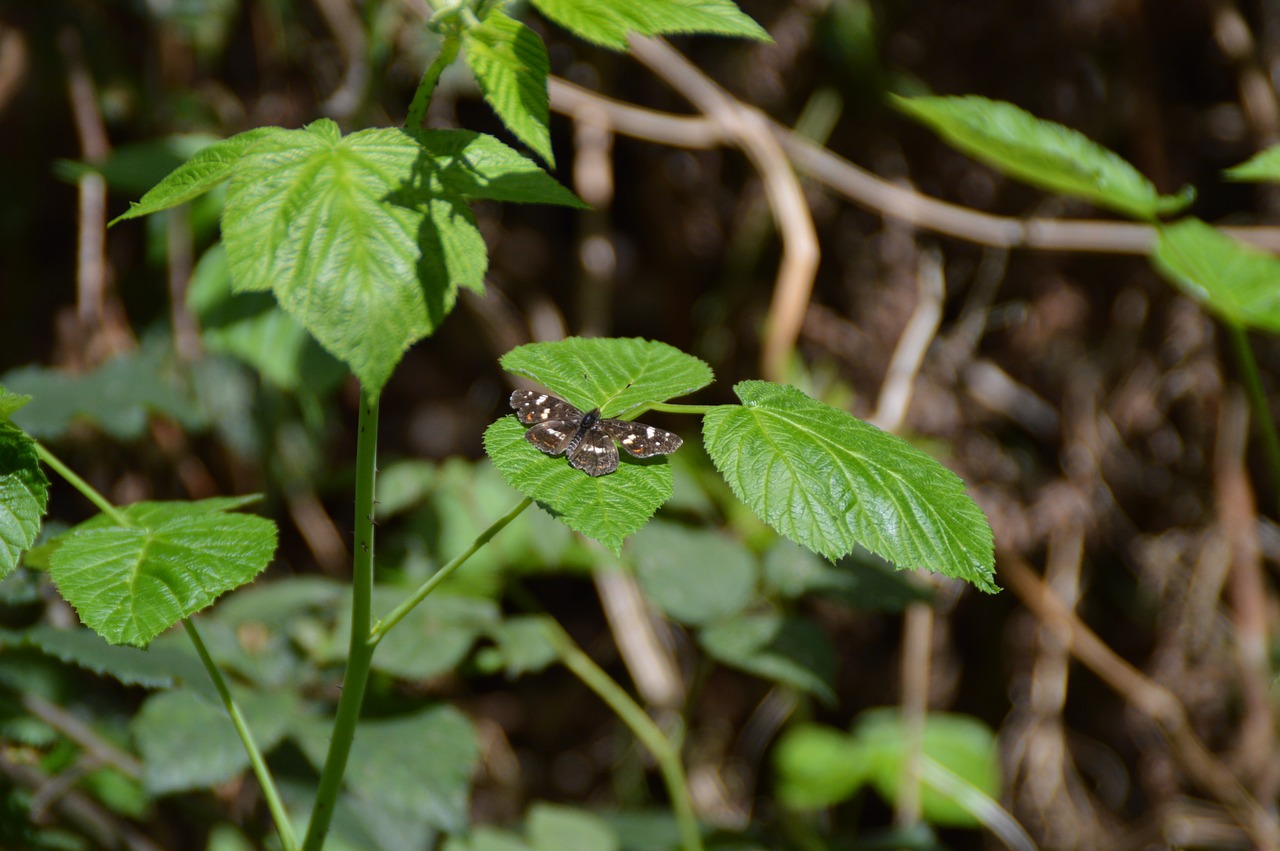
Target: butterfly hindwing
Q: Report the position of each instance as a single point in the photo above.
(595, 455)
(552, 437)
(640, 440)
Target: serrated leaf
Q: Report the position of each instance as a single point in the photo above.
(1263, 166)
(417, 765)
(1042, 153)
(205, 170)
(1239, 283)
(693, 576)
(154, 668)
(787, 650)
(130, 583)
(511, 65)
(10, 402)
(553, 827)
(24, 491)
(830, 482)
(817, 766)
(118, 396)
(188, 743)
(608, 22)
(365, 238)
(604, 508)
(960, 745)
(615, 374)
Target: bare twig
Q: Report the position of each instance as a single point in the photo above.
(748, 128)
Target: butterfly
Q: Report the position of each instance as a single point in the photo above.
(559, 428)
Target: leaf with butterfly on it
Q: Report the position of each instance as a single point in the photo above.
(559, 428)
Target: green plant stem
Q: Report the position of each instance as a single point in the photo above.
(1257, 399)
(278, 813)
(422, 97)
(665, 752)
(361, 651)
(84, 487)
(394, 617)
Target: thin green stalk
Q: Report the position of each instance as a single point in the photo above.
(1257, 399)
(397, 614)
(674, 408)
(665, 752)
(422, 97)
(361, 651)
(260, 770)
(84, 487)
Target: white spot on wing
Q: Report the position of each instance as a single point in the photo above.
(649, 432)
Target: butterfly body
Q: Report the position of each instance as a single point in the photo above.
(586, 439)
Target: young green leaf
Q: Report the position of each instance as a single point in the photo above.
(365, 238)
(416, 765)
(604, 508)
(787, 650)
(1235, 281)
(1263, 166)
(958, 744)
(608, 22)
(694, 576)
(616, 375)
(206, 169)
(830, 482)
(130, 583)
(10, 402)
(1042, 153)
(24, 489)
(817, 766)
(524, 644)
(188, 743)
(511, 65)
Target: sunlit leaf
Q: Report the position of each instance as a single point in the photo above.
(607, 22)
(510, 63)
(1236, 281)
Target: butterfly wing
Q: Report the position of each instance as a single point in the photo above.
(552, 437)
(534, 406)
(595, 455)
(640, 440)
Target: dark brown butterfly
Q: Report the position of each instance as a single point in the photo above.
(559, 428)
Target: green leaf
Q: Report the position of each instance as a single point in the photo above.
(556, 828)
(604, 508)
(867, 583)
(1263, 166)
(1042, 153)
(432, 639)
(130, 583)
(607, 22)
(694, 576)
(205, 170)
(365, 239)
(957, 745)
(118, 396)
(524, 644)
(484, 838)
(24, 489)
(416, 765)
(188, 743)
(1239, 283)
(358, 825)
(10, 402)
(252, 328)
(830, 482)
(511, 65)
(154, 668)
(787, 650)
(817, 766)
(616, 375)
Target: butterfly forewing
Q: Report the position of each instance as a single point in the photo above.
(533, 406)
(596, 455)
(642, 441)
